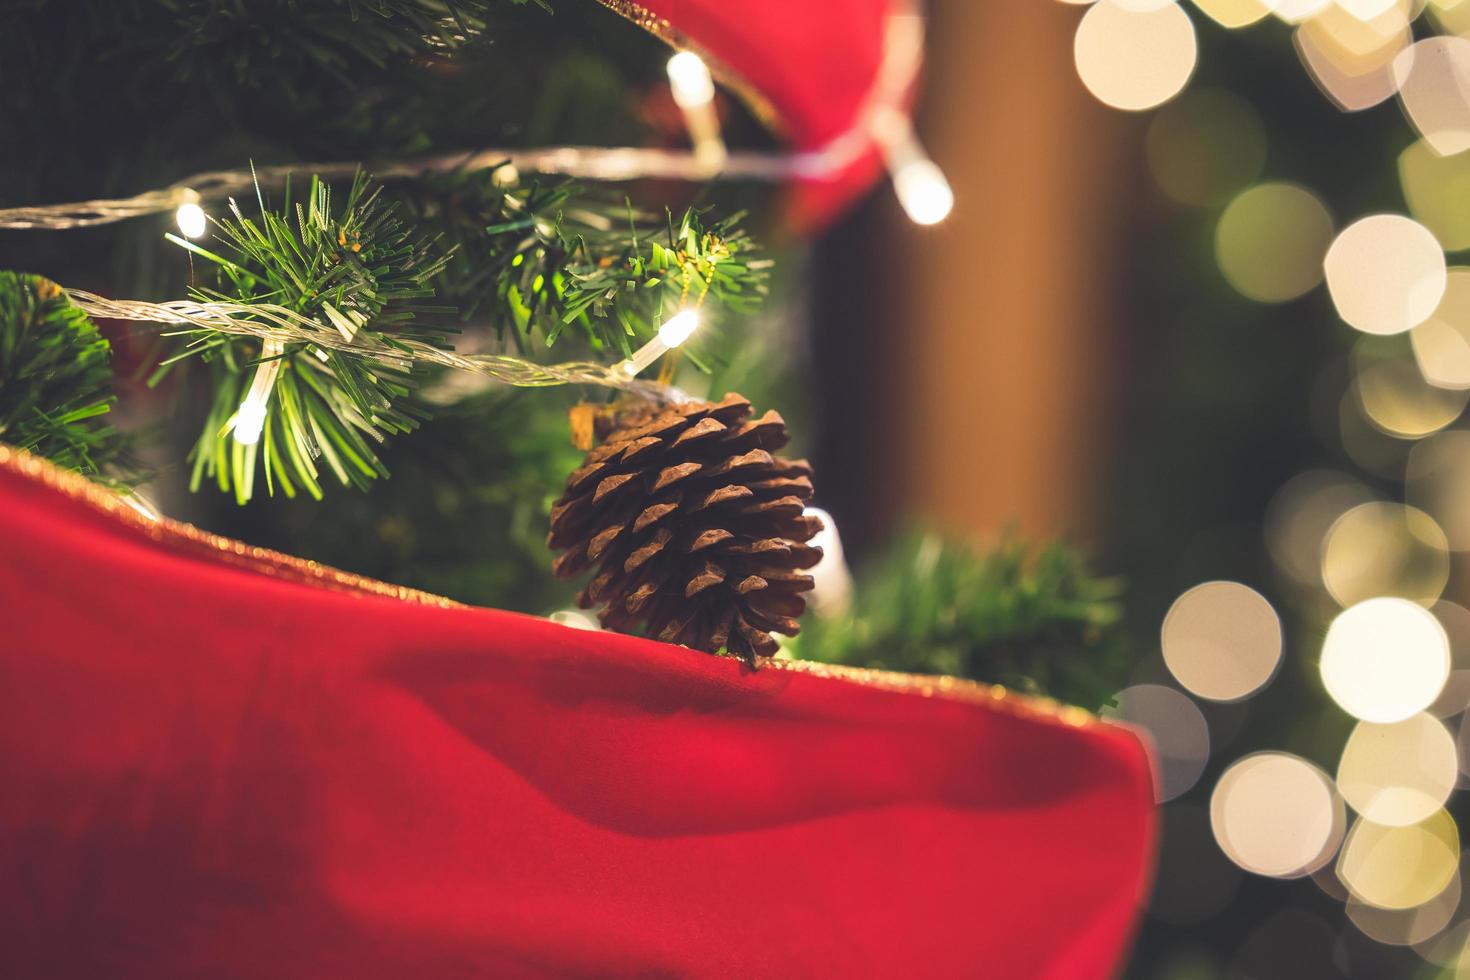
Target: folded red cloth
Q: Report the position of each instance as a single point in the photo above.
(219, 761)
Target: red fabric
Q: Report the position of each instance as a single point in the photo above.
(815, 64)
(209, 771)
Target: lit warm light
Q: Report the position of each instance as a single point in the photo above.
(1205, 146)
(920, 185)
(1400, 867)
(1385, 660)
(678, 327)
(1296, 11)
(1442, 343)
(1438, 480)
(1397, 399)
(1407, 927)
(1366, 10)
(1435, 189)
(1180, 735)
(1434, 88)
(250, 416)
(1300, 515)
(1233, 13)
(1271, 239)
(1134, 59)
(1353, 68)
(1385, 549)
(674, 331)
(1276, 814)
(689, 80)
(191, 219)
(1386, 274)
(1222, 641)
(694, 92)
(250, 422)
(1398, 774)
(923, 192)
(831, 594)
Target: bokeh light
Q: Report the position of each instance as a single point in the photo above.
(1296, 11)
(1301, 514)
(1398, 774)
(1404, 927)
(1271, 239)
(1400, 867)
(1386, 274)
(1434, 86)
(1222, 641)
(1438, 481)
(1351, 61)
(1435, 188)
(1233, 13)
(1385, 549)
(1134, 59)
(1442, 343)
(1205, 146)
(1385, 660)
(1276, 814)
(1455, 697)
(1397, 400)
(1180, 735)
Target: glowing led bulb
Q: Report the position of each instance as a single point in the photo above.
(190, 217)
(249, 422)
(675, 330)
(690, 80)
(694, 91)
(923, 191)
(921, 187)
(250, 416)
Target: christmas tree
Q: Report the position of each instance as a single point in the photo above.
(385, 271)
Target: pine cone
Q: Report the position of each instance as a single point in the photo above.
(697, 528)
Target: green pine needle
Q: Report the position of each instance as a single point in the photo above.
(550, 261)
(1038, 624)
(359, 268)
(55, 378)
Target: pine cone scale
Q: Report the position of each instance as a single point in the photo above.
(696, 528)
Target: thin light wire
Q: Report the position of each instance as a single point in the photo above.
(268, 321)
(591, 163)
(883, 110)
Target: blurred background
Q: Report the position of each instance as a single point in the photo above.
(1196, 313)
(1123, 335)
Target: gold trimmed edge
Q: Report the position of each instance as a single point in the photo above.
(195, 542)
(754, 99)
(946, 687)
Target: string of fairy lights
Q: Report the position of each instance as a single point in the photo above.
(920, 185)
(1375, 834)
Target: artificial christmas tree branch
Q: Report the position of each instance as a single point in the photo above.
(55, 378)
(361, 270)
(1033, 622)
(545, 260)
(313, 329)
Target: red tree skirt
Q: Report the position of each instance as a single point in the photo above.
(219, 761)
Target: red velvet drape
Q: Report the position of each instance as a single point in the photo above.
(216, 761)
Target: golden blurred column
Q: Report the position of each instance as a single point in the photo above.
(1003, 343)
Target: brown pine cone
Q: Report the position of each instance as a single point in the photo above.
(697, 529)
